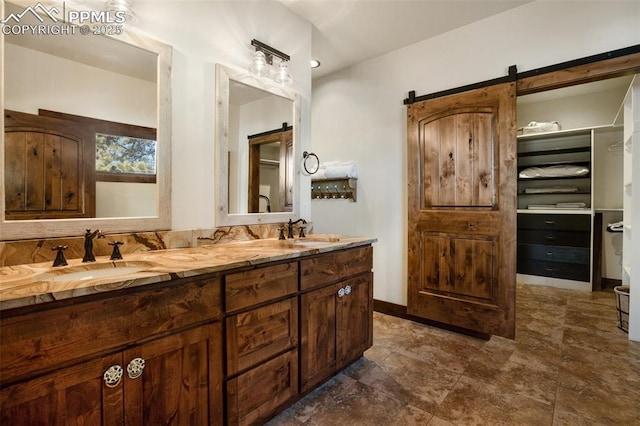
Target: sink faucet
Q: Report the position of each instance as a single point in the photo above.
(290, 227)
(88, 244)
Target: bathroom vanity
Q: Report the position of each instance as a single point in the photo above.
(230, 333)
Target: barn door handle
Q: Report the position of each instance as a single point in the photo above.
(113, 376)
(135, 368)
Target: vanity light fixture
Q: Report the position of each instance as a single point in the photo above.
(263, 58)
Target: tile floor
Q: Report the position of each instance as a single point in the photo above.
(569, 365)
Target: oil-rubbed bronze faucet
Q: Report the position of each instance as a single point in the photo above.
(290, 227)
(88, 244)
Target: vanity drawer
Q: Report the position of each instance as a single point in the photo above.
(261, 333)
(554, 238)
(568, 271)
(254, 396)
(579, 255)
(249, 288)
(42, 340)
(335, 266)
(563, 222)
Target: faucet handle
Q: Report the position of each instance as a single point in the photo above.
(60, 260)
(281, 236)
(302, 234)
(115, 254)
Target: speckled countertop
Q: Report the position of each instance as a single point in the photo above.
(23, 285)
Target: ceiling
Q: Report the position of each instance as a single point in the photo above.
(346, 32)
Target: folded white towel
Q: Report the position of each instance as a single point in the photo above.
(343, 170)
(336, 169)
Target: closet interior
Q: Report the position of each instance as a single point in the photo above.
(571, 185)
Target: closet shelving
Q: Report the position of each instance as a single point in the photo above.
(560, 194)
(555, 213)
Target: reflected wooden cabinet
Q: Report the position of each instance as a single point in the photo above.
(271, 167)
(48, 168)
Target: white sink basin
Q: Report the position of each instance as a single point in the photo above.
(95, 271)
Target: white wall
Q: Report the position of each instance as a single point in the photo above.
(36, 80)
(358, 113)
(203, 34)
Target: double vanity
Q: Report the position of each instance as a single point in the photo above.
(229, 333)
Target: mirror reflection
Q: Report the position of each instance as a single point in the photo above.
(257, 133)
(261, 169)
(65, 95)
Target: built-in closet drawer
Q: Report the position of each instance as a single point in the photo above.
(559, 222)
(554, 238)
(567, 271)
(555, 245)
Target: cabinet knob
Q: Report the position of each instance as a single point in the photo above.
(135, 368)
(347, 290)
(113, 376)
(341, 292)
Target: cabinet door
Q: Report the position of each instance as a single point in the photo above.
(73, 395)
(176, 380)
(354, 319)
(318, 335)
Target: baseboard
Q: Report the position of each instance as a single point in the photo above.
(610, 283)
(400, 311)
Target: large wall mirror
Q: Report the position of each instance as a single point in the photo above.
(258, 125)
(86, 139)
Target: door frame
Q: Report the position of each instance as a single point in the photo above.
(611, 64)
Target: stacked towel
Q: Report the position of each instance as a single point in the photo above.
(615, 227)
(336, 169)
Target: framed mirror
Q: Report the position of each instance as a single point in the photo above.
(258, 126)
(86, 139)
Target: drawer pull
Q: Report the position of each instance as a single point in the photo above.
(549, 222)
(548, 269)
(347, 290)
(549, 238)
(113, 376)
(135, 368)
(549, 253)
(341, 292)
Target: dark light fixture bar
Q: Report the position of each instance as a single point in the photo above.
(269, 51)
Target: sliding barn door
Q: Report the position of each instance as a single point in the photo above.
(462, 209)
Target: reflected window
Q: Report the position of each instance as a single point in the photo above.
(125, 155)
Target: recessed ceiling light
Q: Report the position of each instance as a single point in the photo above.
(315, 63)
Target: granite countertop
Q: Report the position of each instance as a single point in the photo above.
(23, 285)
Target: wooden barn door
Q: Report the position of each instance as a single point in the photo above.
(462, 209)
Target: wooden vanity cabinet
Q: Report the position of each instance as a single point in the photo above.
(262, 341)
(336, 318)
(139, 358)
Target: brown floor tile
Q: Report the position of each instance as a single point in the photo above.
(473, 402)
(568, 365)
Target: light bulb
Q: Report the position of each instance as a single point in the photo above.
(259, 64)
(282, 75)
